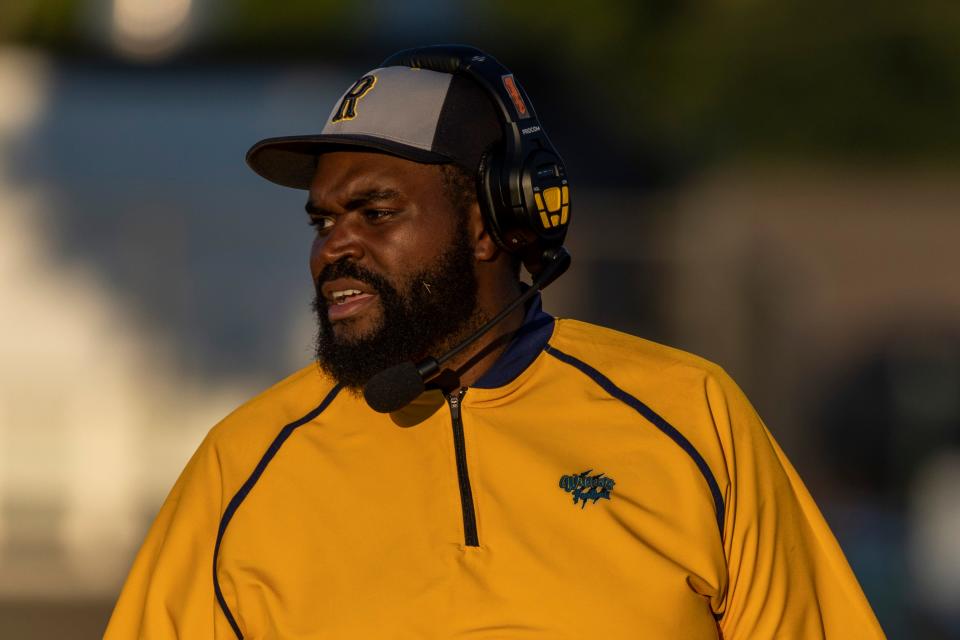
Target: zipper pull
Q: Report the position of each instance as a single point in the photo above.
(454, 400)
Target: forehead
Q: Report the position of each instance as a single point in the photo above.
(341, 174)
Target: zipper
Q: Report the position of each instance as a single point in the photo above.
(463, 478)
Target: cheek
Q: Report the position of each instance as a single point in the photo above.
(419, 247)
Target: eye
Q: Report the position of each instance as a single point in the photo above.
(322, 223)
(377, 215)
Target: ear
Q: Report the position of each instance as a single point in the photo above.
(485, 249)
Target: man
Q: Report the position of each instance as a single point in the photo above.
(555, 480)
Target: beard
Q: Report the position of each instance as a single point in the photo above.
(431, 311)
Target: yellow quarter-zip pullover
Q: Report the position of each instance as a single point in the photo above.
(591, 485)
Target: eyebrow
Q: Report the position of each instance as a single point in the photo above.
(359, 200)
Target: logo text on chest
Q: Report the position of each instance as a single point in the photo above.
(585, 487)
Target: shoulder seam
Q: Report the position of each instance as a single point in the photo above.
(610, 338)
(277, 387)
(654, 418)
(241, 494)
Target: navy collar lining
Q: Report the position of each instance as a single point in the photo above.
(527, 343)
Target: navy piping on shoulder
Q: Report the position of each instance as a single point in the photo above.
(653, 417)
(248, 485)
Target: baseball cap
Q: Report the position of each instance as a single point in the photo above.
(417, 114)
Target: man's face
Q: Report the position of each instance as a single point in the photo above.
(392, 262)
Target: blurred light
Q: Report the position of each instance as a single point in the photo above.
(89, 397)
(150, 29)
(934, 545)
(23, 84)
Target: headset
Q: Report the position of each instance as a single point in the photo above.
(522, 183)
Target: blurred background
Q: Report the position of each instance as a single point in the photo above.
(772, 185)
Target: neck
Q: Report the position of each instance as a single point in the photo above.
(475, 360)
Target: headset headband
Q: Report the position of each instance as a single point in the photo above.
(484, 68)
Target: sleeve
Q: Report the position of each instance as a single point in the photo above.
(787, 577)
(169, 591)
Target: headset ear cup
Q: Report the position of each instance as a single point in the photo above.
(510, 226)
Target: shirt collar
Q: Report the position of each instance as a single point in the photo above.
(526, 345)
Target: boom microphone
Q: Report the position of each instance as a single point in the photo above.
(396, 387)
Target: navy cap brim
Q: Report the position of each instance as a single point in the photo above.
(291, 161)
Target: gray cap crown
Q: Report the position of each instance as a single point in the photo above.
(417, 114)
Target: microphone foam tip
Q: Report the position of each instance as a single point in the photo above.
(393, 388)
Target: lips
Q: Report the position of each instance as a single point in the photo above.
(350, 307)
(346, 297)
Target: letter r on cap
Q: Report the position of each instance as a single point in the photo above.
(348, 105)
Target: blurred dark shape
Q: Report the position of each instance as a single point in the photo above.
(855, 79)
(892, 410)
(54, 618)
(52, 24)
(628, 295)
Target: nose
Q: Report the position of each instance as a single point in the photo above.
(341, 241)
